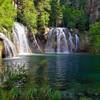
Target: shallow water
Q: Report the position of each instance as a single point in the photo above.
(62, 71)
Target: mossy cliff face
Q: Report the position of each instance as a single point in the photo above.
(84, 43)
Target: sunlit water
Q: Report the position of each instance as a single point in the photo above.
(62, 70)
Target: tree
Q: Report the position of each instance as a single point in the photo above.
(27, 14)
(74, 3)
(74, 18)
(7, 15)
(43, 9)
(56, 17)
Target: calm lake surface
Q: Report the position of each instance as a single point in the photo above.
(64, 71)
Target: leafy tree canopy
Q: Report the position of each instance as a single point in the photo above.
(27, 14)
(43, 9)
(56, 17)
(74, 18)
(7, 14)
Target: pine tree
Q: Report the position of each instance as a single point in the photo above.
(56, 13)
(43, 9)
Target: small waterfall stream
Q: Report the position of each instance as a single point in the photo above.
(76, 42)
(71, 44)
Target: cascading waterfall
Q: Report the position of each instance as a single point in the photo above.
(60, 40)
(62, 44)
(10, 49)
(20, 38)
(71, 44)
(76, 42)
(57, 41)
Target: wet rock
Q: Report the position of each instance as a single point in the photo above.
(1, 48)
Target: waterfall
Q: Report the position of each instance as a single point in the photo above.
(10, 49)
(20, 38)
(62, 45)
(57, 41)
(60, 40)
(71, 44)
(76, 42)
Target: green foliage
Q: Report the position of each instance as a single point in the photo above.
(7, 14)
(56, 96)
(74, 18)
(56, 13)
(74, 3)
(95, 29)
(43, 10)
(15, 93)
(95, 38)
(43, 93)
(27, 14)
(82, 3)
(33, 14)
(32, 91)
(40, 13)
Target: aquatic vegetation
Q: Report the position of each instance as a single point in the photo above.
(20, 85)
(15, 93)
(17, 82)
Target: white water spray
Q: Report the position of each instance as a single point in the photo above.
(76, 42)
(56, 42)
(10, 49)
(20, 38)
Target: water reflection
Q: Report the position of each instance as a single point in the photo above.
(62, 70)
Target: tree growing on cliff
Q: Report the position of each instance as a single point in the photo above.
(43, 10)
(27, 14)
(56, 17)
(7, 15)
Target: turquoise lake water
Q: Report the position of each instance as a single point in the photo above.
(63, 71)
